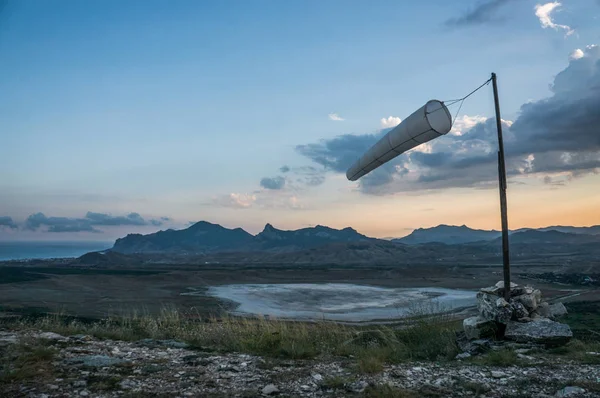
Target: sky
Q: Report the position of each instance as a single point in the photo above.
(134, 116)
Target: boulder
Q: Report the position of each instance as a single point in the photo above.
(530, 301)
(477, 327)
(498, 289)
(500, 284)
(493, 308)
(521, 290)
(542, 331)
(519, 311)
(557, 310)
(542, 310)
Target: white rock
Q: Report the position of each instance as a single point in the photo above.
(476, 327)
(51, 336)
(570, 392)
(496, 374)
(317, 377)
(270, 389)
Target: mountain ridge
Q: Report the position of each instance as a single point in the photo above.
(204, 238)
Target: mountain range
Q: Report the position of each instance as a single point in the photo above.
(207, 238)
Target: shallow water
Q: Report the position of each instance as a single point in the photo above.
(338, 301)
(42, 250)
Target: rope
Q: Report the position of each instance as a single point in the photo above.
(462, 100)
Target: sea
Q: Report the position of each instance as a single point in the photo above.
(45, 250)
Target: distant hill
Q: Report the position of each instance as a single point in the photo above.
(273, 238)
(448, 234)
(204, 237)
(551, 237)
(593, 230)
(453, 235)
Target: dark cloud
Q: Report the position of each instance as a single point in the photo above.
(6, 221)
(556, 135)
(59, 224)
(483, 12)
(274, 183)
(284, 169)
(107, 219)
(87, 223)
(339, 153)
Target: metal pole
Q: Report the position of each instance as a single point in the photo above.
(503, 206)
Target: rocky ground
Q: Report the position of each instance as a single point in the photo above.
(44, 364)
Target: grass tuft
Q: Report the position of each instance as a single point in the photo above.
(504, 357)
(425, 337)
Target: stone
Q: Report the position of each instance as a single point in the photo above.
(543, 310)
(270, 389)
(463, 355)
(493, 308)
(84, 393)
(317, 377)
(517, 291)
(477, 327)
(543, 331)
(498, 289)
(500, 285)
(570, 392)
(51, 336)
(96, 361)
(496, 374)
(357, 386)
(474, 347)
(79, 383)
(530, 300)
(80, 337)
(557, 310)
(493, 290)
(127, 384)
(519, 310)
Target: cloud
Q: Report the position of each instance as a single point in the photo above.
(235, 200)
(483, 12)
(553, 136)
(107, 219)
(391, 121)
(465, 123)
(335, 117)
(8, 222)
(59, 224)
(274, 183)
(576, 54)
(87, 223)
(284, 169)
(544, 14)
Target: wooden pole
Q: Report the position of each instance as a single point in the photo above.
(503, 206)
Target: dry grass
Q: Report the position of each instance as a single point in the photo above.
(425, 338)
(26, 362)
(504, 357)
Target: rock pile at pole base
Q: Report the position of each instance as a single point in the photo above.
(525, 318)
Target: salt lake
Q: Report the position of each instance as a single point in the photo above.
(338, 301)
